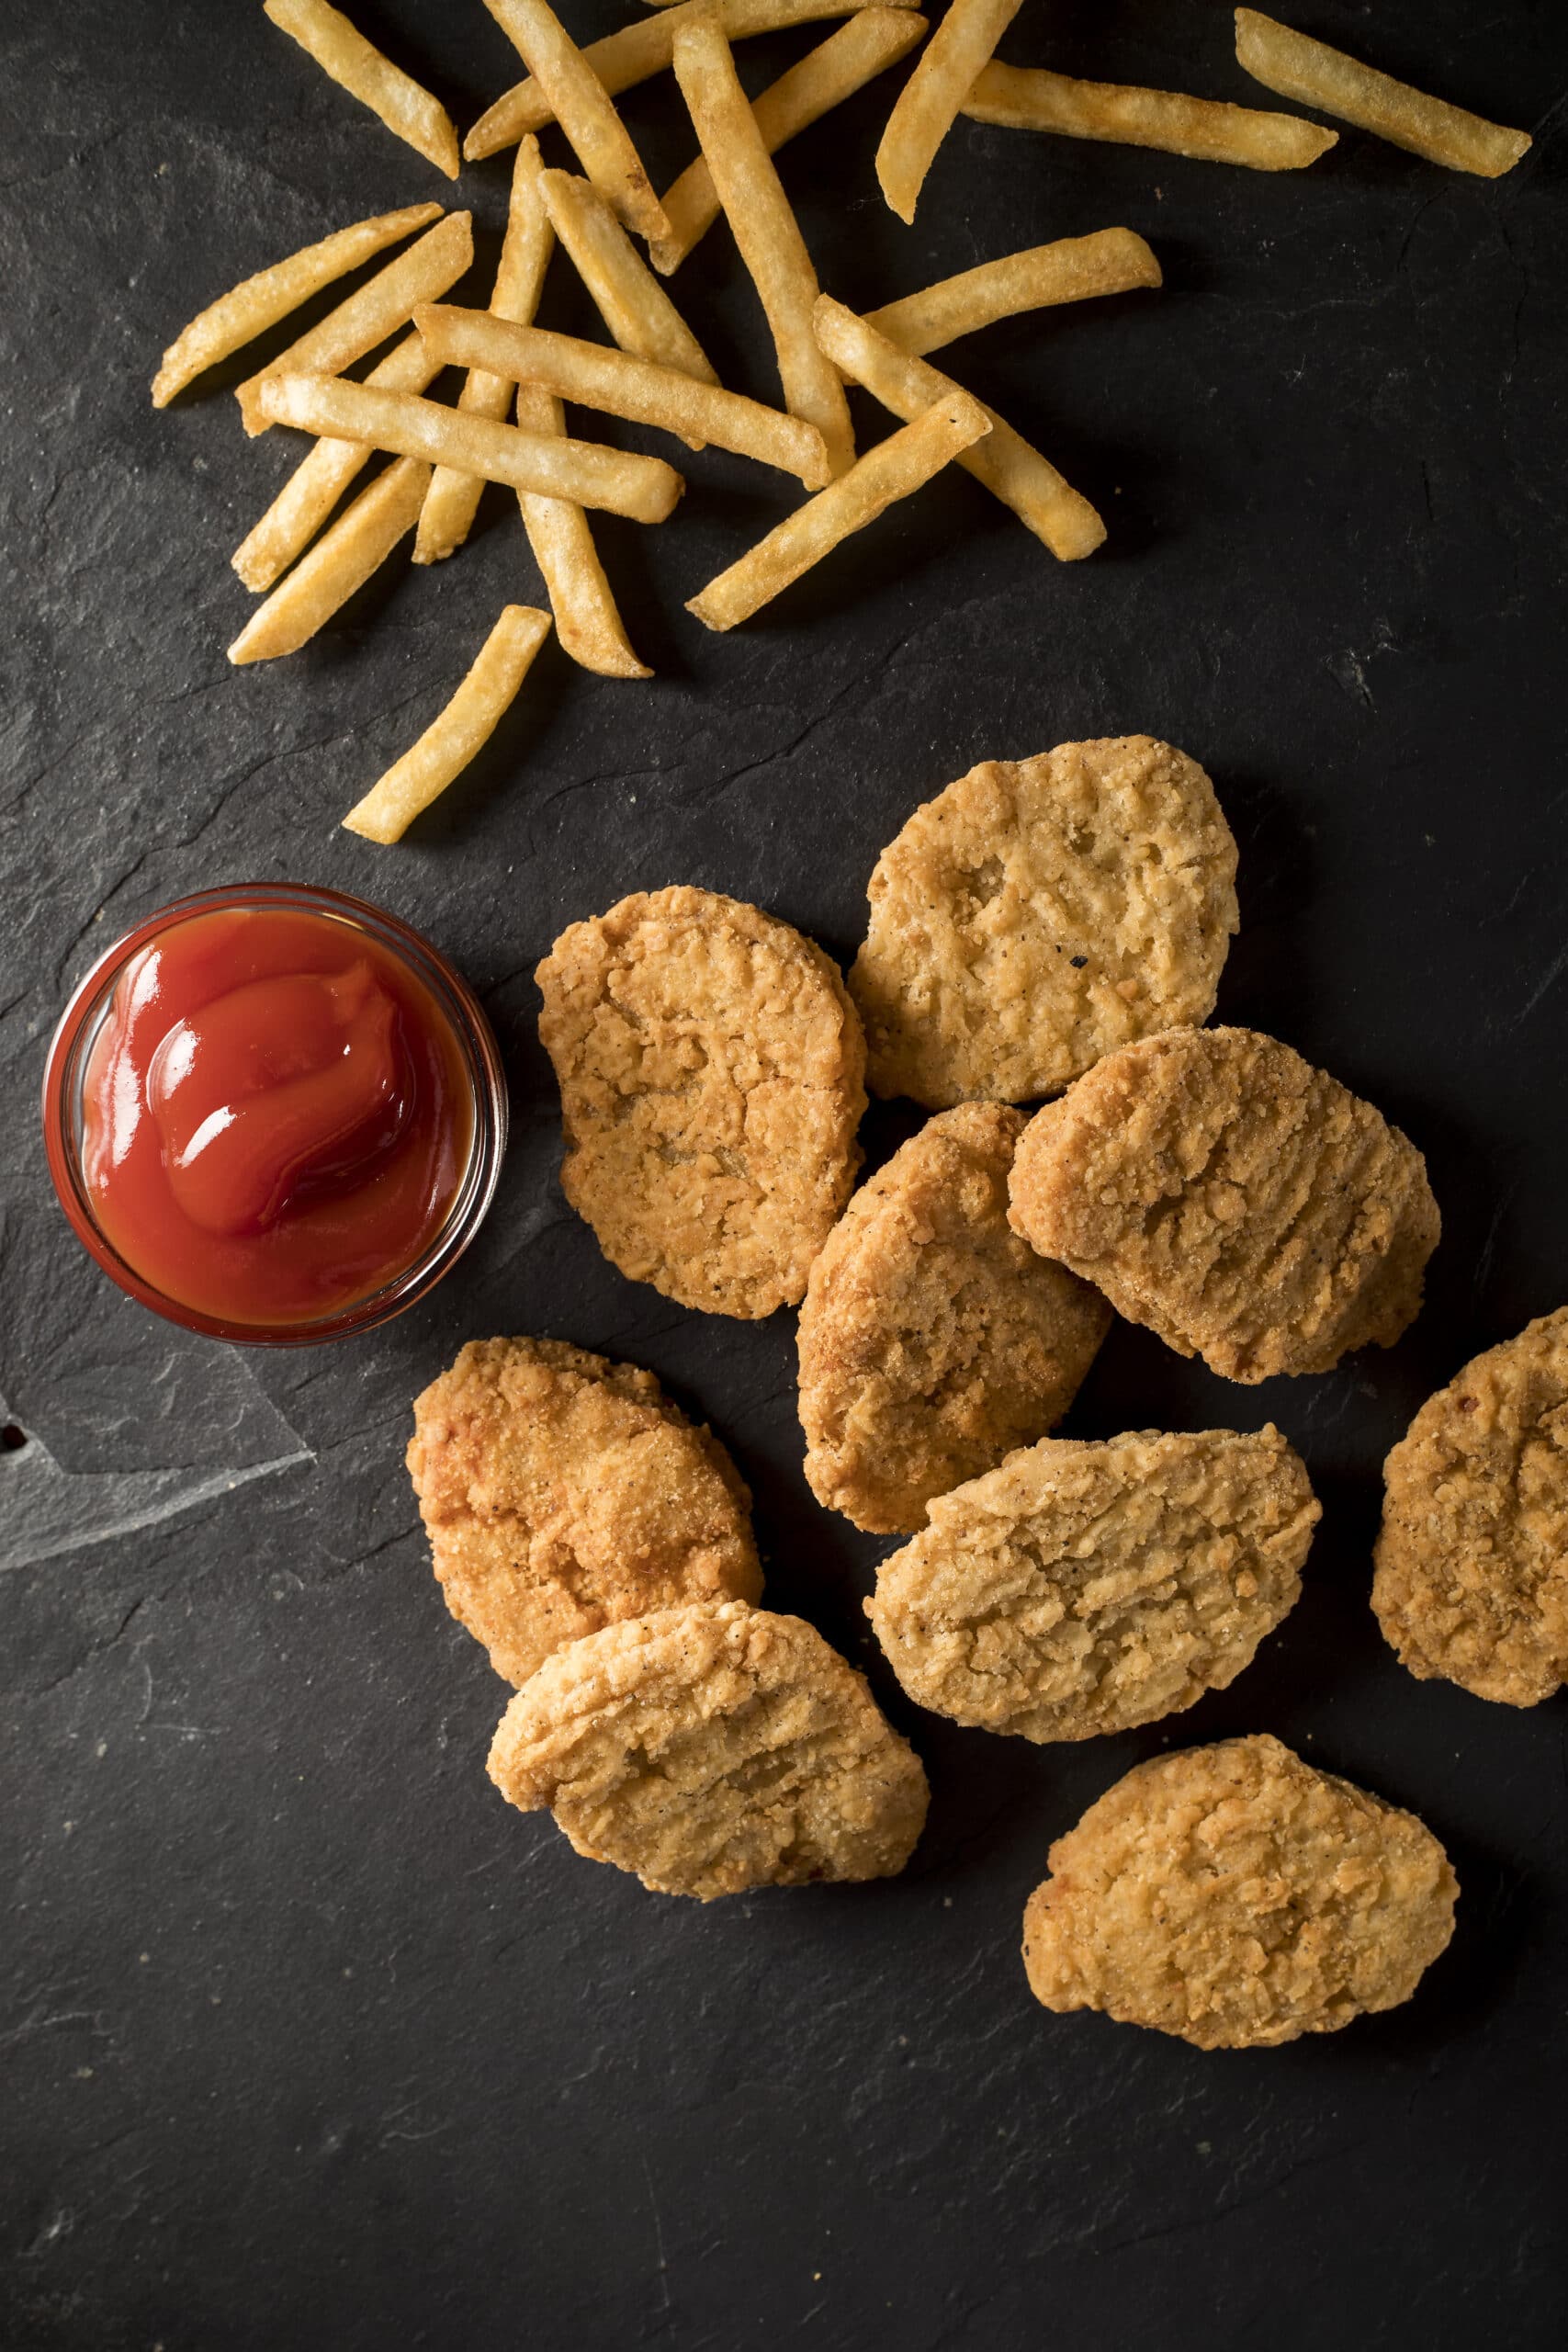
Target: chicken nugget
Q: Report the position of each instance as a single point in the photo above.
(562, 1493)
(1087, 1587)
(1247, 1207)
(710, 1749)
(1038, 914)
(1237, 1898)
(932, 1340)
(711, 1071)
(1472, 1581)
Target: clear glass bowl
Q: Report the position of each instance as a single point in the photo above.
(455, 1001)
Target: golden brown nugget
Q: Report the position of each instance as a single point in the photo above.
(1247, 1207)
(1083, 1588)
(932, 1340)
(562, 1493)
(1040, 913)
(710, 1065)
(1237, 1898)
(710, 1749)
(1472, 1580)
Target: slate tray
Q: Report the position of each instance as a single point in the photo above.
(308, 2040)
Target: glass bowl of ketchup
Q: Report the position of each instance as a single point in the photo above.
(275, 1113)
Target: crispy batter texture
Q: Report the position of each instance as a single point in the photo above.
(710, 1749)
(1247, 1207)
(1083, 1588)
(1472, 1581)
(932, 1340)
(1040, 913)
(563, 1493)
(1237, 1898)
(710, 1066)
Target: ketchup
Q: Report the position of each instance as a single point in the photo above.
(276, 1115)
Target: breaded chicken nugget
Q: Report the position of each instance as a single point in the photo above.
(1471, 1578)
(1247, 1207)
(1041, 912)
(710, 1066)
(934, 1341)
(710, 1749)
(1086, 1588)
(1237, 1898)
(562, 1493)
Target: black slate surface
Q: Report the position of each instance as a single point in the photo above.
(307, 2039)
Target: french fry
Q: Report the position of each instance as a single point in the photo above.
(891, 471)
(319, 479)
(359, 541)
(1004, 461)
(357, 65)
(458, 733)
(646, 488)
(636, 53)
(629, 299)
(453, 498)
(832, 72)
(587, 623)
(621, 384)
(376, 310)
(582, 107)
(1111, 261)
(927, 105)
(1024, 98)
(765, 229)
(1317, 76)
(249, 308)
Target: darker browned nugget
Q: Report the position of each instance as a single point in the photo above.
(1237, 1898)
(934, 1341)
(1247, 1207)
(1471, 1578)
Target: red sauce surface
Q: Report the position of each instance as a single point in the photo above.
(276, 1115)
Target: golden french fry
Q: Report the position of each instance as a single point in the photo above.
(458, 733)
(765, 229)
(891, 471)
(319, 479)
(587, 623)
(248, 310)
(582, 107)
(871, 41)
(928, 105)
(1315, 75)
(636, 53)
(358, 66)
(376, 310)
(630, 300)
(1024, 98)
(645, 489)
(1111, 261)
(453, 498)
(361, 539)
(623, 385)
(1004, 461)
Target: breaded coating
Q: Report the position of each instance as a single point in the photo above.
(562, 1493)
(711, 1071)
(1237, 1898)
(1086, 1588)
(1038, 914)
(934, 1341)
(1472, 1580)
(710, 1749)
(1247, 1207)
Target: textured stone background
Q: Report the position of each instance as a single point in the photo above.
(306, 2040)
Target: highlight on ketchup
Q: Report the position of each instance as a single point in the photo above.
(274, 1113)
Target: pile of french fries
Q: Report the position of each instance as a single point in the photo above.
(507, 423)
